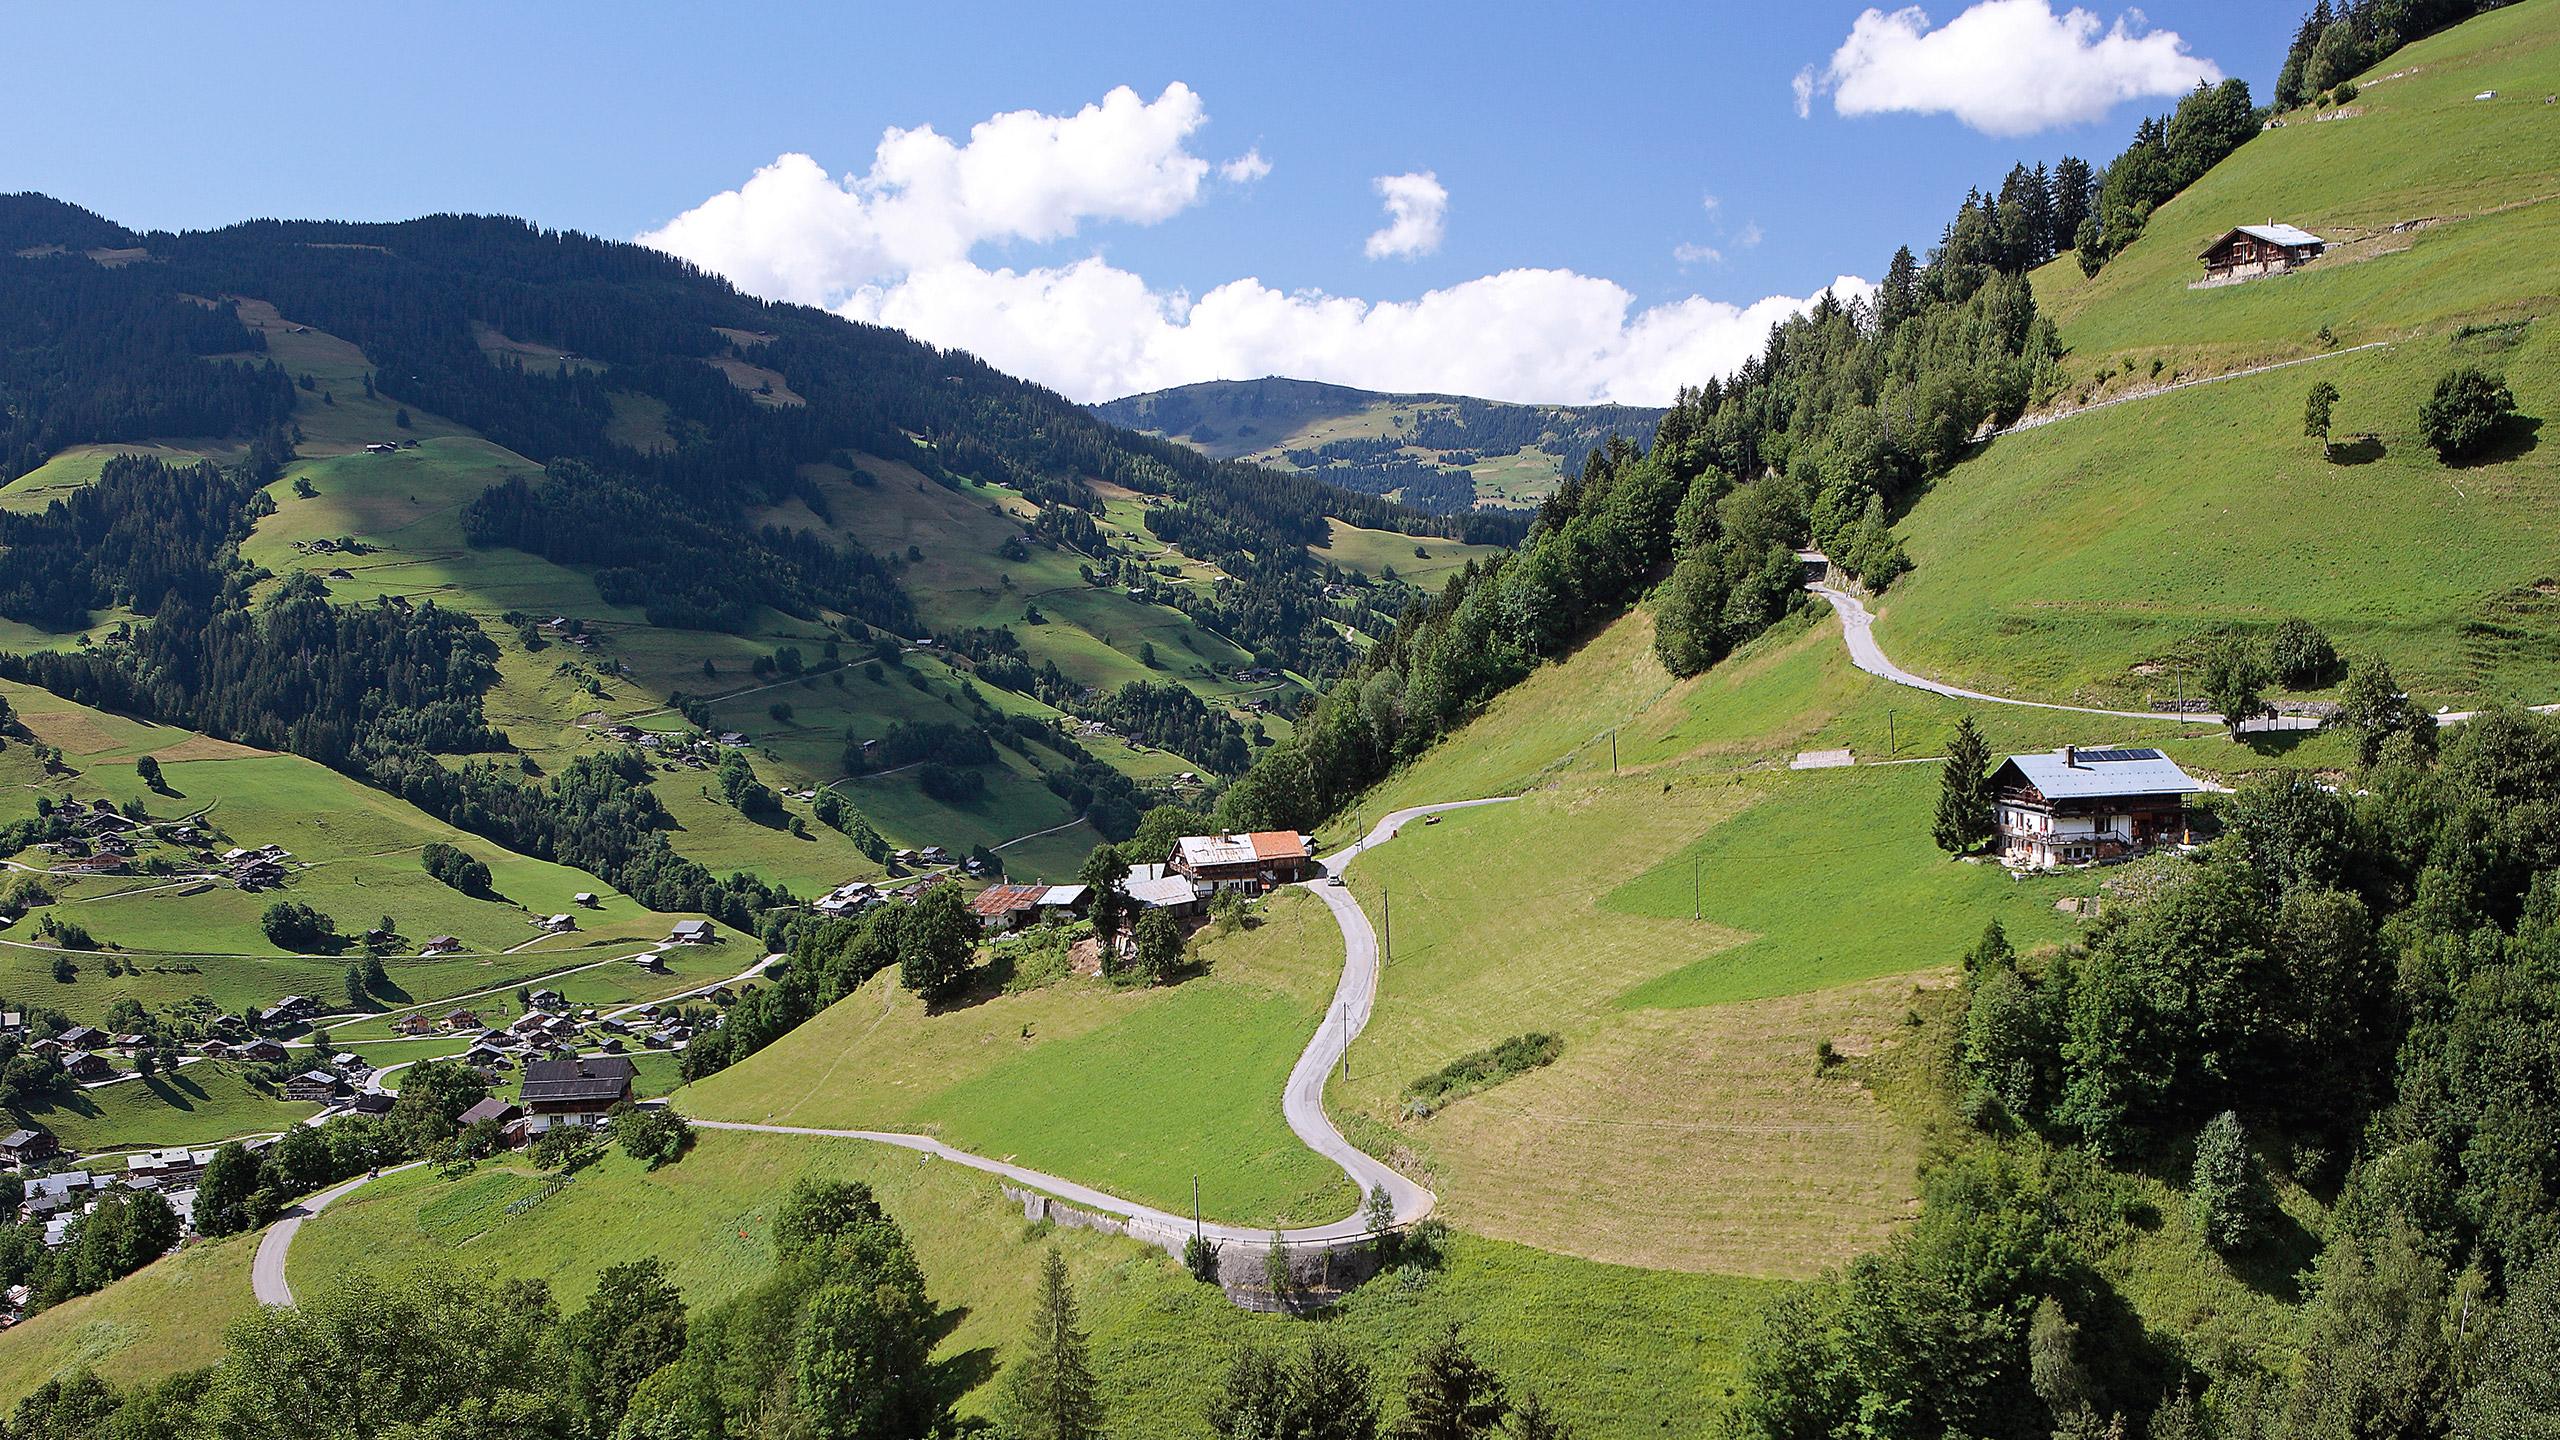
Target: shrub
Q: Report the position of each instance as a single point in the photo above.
(1200, 1257)
(1490, 1066)
(2345, 93)
(2470, 406)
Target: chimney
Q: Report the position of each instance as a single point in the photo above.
(2071, 756)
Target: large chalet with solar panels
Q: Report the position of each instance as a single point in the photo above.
(2079, 807)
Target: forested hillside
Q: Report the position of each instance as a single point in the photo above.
(465, 441)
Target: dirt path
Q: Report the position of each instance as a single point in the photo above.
(2038, 422)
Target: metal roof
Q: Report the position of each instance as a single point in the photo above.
(1166, 891)
(1198, 850)
(1004, 899)
(2094, 774)
(2270, 232)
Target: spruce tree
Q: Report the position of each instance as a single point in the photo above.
(2230, 1191)
(1451, 1395)
(1964, 801)
(1050, 1390)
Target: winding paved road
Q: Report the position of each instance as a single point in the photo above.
(266, 1273)
(1301, 1104)
(1857, 627)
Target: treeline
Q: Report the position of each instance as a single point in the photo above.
(341, 685)
(98, 354)
(686, 569)
(1170, 717)
(1827, 433)
(2356, 991)
(2336, 42)
(595, 814)
(143, 535)
(2166, 156)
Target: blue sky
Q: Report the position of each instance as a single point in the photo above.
(1570, 146)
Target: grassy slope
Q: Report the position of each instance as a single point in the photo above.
(164, 1318)
(2061, 558)
(1614, 1348)
(197, 1105)
(1137, 1091)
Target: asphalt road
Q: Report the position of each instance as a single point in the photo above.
(1301, 1104)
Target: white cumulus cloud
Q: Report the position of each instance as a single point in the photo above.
(1417, 213)
(1095, 331)
(2004, 67)
(898, 244)
(793, 232)
(1693, 254)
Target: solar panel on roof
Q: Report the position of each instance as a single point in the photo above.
(2104, 757)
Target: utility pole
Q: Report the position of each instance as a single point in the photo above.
(1892, 747)
(1613, 752)
(1387, 922)
(1195, 1206)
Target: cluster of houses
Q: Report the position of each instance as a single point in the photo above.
(551, 1028)
(1196, 869)
(81, 1051)
(564, 1090)
(380, 447)
(105, 841)
(58, 1198)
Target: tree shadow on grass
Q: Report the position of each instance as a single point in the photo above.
(2519, 437)
(177, 1090)
(2273, 1264)
(2357, 450)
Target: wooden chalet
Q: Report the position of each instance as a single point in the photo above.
(2249, 251)
(2075, 807)
(1250, 864)
(575, 1090)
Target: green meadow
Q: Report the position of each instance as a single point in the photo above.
(1139, 1091)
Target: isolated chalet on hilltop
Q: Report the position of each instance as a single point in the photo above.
(2072, 806)
(2250, 251)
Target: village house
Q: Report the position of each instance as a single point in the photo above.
(547, 1000)
(1156, 887)
(29, 1146)
(1008, 907)
(373, 1102)
(558, 923)
(2073, 807)
(441, 945)
(693, 932)
(82, 1037)
(86, 1065)
(416, 1022)
(575, 1090)
(1249, 864)
(585, 899)
(259, 1052)
(459, 1019)
(312, 1085)
(2250, 251)
(67, 1190)
(504, 1112)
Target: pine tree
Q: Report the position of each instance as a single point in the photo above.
(1450, 1395)
(1050, 1392)
(1964, 801)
